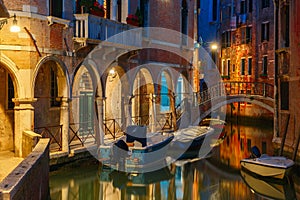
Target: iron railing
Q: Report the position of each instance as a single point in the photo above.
(52, 132)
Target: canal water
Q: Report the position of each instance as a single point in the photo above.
(216, 177)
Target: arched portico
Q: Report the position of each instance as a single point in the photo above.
(52, 92)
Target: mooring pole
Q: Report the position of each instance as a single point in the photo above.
(284, 135)
(296, 147)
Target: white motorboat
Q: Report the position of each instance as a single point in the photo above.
(268, 166)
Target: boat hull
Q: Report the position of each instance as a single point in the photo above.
(265, 169)
(138, 159)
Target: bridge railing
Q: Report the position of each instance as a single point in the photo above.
(234, 88)
(249, 88)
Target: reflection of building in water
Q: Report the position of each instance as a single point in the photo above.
(239, 141)
(190, 180)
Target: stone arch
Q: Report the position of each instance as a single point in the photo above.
(86, 93)
(51, 88)
(63, 71)
(142, 89)
(7, 112)
(116, 98)
(9, 65)
(238, 99)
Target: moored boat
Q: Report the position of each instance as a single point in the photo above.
(188, 141)
(137, 151)
(268, 166)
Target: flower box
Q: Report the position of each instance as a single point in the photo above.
(97, 13)
(92, 7)
(132, 20)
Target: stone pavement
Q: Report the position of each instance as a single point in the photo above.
(8, 163)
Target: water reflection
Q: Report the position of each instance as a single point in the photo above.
(203, 179)
(240, 139)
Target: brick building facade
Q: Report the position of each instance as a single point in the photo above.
(48, 86)
(287, 69)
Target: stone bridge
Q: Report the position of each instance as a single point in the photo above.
(259, 93)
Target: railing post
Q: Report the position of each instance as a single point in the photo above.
(264, 89)
(114, 125)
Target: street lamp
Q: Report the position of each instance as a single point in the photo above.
(14, 28)
(214, 46)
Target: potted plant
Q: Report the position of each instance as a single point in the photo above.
(263, 76)
(135, 19)
(93, 7)
(132, 20)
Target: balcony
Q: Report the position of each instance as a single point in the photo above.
(90, 29)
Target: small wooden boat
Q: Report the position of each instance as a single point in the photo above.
(188, 141)
(137, 151)
(268, 166)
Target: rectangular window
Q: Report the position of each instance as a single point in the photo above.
(250, 6)
(56, 8)
(215, 10)
(265, 31)
(284, 95)
(10, 93)
(226, 39)
(243, 35)
(265, 65)
(284, 26)
(242, 144)
(53, 88)
(228, 67)
(243, 62)
(248, 34)
(249, 66)
(249, 145)
(264, 147)
(265, 3)
(243, 8)
(224, 68)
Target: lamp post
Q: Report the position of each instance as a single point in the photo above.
(14, 28)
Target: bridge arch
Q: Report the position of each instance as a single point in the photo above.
(228, 100)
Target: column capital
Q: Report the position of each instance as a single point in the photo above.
(24, 103)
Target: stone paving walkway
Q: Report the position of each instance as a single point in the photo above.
(7, 163)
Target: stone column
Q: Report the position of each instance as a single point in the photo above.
(65, 122)
(152, 112)
(173, 110)
(24, 120)
(99, 128)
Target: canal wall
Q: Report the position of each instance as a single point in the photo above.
(30, 179)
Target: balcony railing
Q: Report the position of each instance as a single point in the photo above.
(92, 27)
